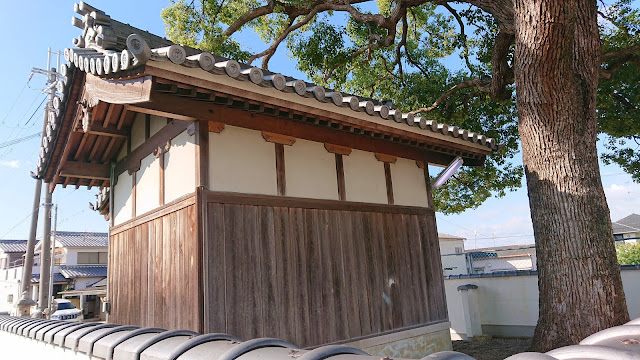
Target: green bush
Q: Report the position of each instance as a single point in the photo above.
(628, 254)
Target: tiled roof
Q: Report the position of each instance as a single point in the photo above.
(99, 51)
(82, 239)
(13, 246)
(627, 224)
(70, 272)
(57, 277)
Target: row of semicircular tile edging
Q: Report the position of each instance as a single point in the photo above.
(106, 62)
(114, 342)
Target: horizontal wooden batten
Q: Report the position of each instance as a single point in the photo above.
(292, 202)
(84, 170)
(163, 210)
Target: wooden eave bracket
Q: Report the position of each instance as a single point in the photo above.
(216, 127)
(386, 158)
(83, 170)
(278, 138)
(337, 149)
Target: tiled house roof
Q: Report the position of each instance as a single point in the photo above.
(70, 272)
(13, 246)
(627, 224)
(82, 239)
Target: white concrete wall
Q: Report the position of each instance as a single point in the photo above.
(180, 167)
(156, 123)
(122, 198)
(508, 305)
(310, 171)
(148, 185)
(364, 178)
(408, 182)
(240, 160)
(448, 246)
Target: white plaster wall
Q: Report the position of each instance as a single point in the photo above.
(409, 187)
(180, 167)
(512, 301)
(310, 171)
(122, 199)
(364, 178)
(137, 130)
(156, 123)
(240, 160)
(148, 185)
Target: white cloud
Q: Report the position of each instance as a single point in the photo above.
(10, 163)
(623, 199)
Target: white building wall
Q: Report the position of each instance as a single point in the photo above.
(310, 171)
(180, 167)
(137, 130)
(240, 160)
(364, 178)
(122, 198)
(148, 185)
(408, 182)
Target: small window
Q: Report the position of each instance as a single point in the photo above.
(10, 298)
(92, 258)
(458, 250)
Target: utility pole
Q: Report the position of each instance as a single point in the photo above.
(45, 259)
(53, 257)
(25, 304)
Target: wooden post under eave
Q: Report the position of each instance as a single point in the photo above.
(202, 153)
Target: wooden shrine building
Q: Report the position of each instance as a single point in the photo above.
(247, 202)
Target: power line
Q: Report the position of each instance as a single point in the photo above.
(16, 100)
(21, 221)
(17, 141)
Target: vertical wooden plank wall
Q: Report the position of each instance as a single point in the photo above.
(313, 276)
(154, 272)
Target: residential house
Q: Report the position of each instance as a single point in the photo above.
(250, 203)
(502, 258)
(80, 262)
(627, 229)
(452, 253)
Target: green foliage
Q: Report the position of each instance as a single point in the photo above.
(332, 50)
(619, 96)
(628, 254)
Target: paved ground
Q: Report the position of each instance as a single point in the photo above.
(493, 349)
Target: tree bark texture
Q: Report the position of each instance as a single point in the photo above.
(557, 58)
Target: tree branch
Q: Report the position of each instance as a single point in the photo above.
(463, 36)
(476, 82)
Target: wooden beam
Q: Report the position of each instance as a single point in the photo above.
(280, 170)
(109, 130)
(133, 194)
(427, 180)
(147, 127)
(278, 138)
(114, 112)
(354, 120)
(161, 181)
(125, 117)
(84, 170)
(188, 109)
(130, 91)
(132, 161)
(202, 154)
(342, 192)
(387, 177)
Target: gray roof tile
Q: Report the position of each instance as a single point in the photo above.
(82, 239)
(627, 224)
(70, 272)
(13, 246)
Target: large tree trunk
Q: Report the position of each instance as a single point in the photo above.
(557, 57)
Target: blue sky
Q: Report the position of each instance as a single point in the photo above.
(28, 34)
